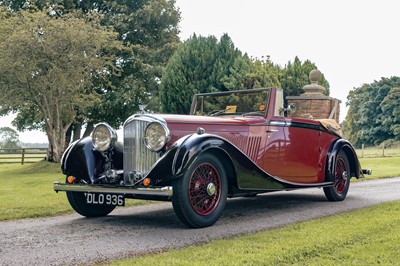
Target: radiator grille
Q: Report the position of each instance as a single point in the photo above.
(137, 158)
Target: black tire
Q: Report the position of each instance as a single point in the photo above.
(77, 200)
(199, 197)
(338, 191)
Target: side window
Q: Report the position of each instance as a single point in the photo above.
(279, 103)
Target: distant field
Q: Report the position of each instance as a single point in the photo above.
(378, 152)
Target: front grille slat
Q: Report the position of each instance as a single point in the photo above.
(137, 157)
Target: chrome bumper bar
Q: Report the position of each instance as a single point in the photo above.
(162, 191)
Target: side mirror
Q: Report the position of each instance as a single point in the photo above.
(291, 107)
(288, 109)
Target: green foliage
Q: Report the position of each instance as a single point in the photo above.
(149, 31)
(197, 66)
(390, 106)
(204, 64)
(47, 65)
(149, 28)
(296, 75)
(374, 112)
(263, 74)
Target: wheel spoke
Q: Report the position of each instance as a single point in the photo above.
(340, 175)
(202, 202)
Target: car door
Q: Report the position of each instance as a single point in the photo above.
(292, 150)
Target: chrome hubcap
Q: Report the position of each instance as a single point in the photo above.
(211, 189)
(344, 175)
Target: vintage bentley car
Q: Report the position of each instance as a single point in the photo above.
(235, 143)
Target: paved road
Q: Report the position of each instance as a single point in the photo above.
(71, 239)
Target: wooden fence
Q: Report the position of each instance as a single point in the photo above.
(378, 151)
(22, 155)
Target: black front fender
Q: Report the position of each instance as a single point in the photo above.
(82, 161)
(179, 157)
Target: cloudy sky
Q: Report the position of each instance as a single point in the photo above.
(351, 41)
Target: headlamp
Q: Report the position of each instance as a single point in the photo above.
(103, 137)
(156, 136)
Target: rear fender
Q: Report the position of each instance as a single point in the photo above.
(336, 147)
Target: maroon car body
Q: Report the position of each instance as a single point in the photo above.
(235, 143)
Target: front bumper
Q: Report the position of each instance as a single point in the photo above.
(127, 190)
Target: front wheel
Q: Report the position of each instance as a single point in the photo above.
(77, 200)
(200, 195)
(338, 191)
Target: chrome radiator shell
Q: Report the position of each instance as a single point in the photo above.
(138, 159)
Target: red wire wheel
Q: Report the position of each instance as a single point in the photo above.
(341, 175)
(341, 179)
(205, 189)
(199, 195)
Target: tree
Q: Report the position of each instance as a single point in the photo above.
(265, 73)
(8, 138)
(352, 128)
(48, 64)
(296, 75)
(199, 65)
(148, 28)
(373, 115)
(252, 73)
(391, 112)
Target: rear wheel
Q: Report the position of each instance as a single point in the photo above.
(77, 200)
(200, 195)
(338, 191)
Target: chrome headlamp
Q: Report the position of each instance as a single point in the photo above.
(103, 137)
(156, 136)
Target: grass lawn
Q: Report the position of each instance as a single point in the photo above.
(382, 167)
(369, 236)
(26, 191)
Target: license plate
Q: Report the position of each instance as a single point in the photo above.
(105, 199)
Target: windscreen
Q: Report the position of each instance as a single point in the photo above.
(232, 103)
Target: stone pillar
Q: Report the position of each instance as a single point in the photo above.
(313, 104)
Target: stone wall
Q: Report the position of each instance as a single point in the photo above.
(314, 107)
(313, 104)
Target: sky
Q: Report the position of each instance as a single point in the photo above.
(352, 42)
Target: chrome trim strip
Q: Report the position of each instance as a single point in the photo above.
(162, 191)
(277, 123)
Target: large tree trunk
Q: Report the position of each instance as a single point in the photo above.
(77, 131)
(57, 144)
(49, 157)
(68, 135)
(56, 134)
